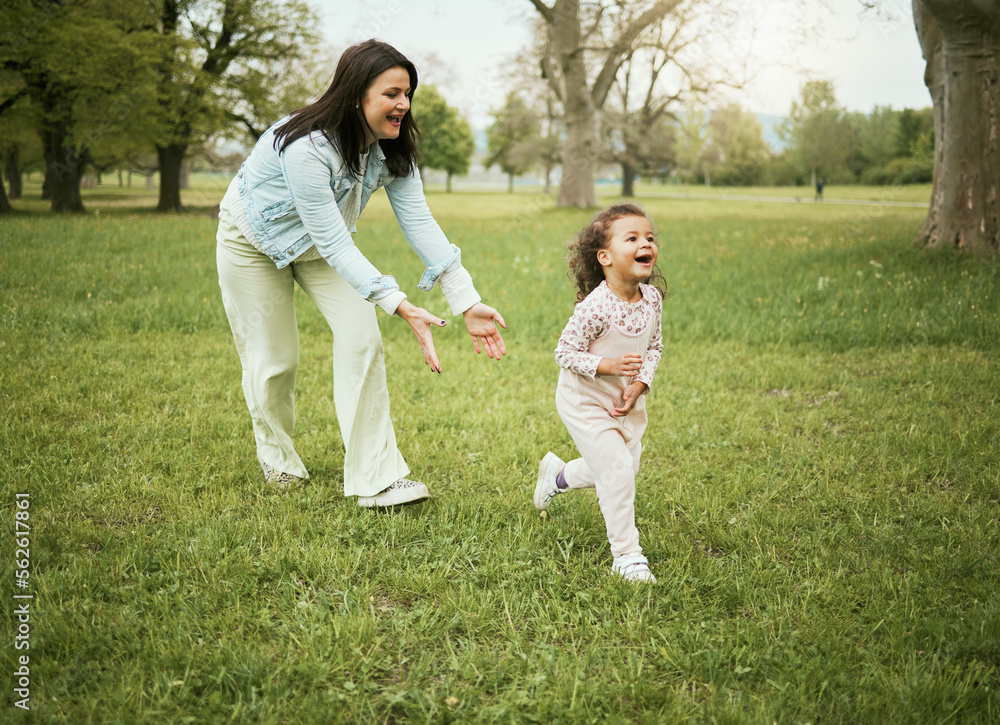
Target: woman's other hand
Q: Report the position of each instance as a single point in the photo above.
(482, 321)
(421, 321)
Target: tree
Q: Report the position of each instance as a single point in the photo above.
(513, 138)
(6, 105)
(206, 49)
(544, 148)
(815, 130)
(606, 32)
(872, 140)
(21, 150)
(689, 143)
(643, 145)
(911, 127)
(446, 140)
(15, 135)
(77, 62)
(5, 207)
(636, 137)
(960, 42)
(736, 146)
(549, 141)
(669, 67)
(253, 101)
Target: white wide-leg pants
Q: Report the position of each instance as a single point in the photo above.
(259, 302)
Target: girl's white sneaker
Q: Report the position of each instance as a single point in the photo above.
(546, 488)
(634, 568)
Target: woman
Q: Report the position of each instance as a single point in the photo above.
(287, 217)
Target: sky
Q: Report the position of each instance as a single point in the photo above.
(465, 46)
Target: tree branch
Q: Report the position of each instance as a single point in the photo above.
(254, 131)
(12, 100)
(219, 55)
(585, 34)
(551, 73)
(544, 10)
(624, 42)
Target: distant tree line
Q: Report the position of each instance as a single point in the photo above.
(726, 147)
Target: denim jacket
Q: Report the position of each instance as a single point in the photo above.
(284, 203)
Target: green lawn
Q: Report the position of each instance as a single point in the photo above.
(819, 495)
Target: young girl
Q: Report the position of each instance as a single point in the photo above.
(608, 354)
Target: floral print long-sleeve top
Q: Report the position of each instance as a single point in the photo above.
(591, 319)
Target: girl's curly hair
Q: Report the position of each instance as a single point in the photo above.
(584, 269)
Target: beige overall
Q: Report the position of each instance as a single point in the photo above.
(610, 446)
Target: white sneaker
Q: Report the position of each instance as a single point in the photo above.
(634, 568)
(546, 489)
(403, 491)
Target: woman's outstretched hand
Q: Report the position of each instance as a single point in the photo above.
(482, 321)
(420, 320)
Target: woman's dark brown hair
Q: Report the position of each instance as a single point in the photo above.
(338, 116)
(584, 269)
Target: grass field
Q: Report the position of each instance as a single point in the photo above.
(819, 495)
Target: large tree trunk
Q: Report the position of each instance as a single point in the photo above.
(5, 207)
(628, 179)
(960, 41)
(579, 160)
(566, 69)
(170, 157)
(581, 119)
(12, 170)
(63, 170)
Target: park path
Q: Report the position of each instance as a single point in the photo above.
(793, 199)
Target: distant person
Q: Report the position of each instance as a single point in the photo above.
(288, 217)
(608, 353)
(819, 191)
